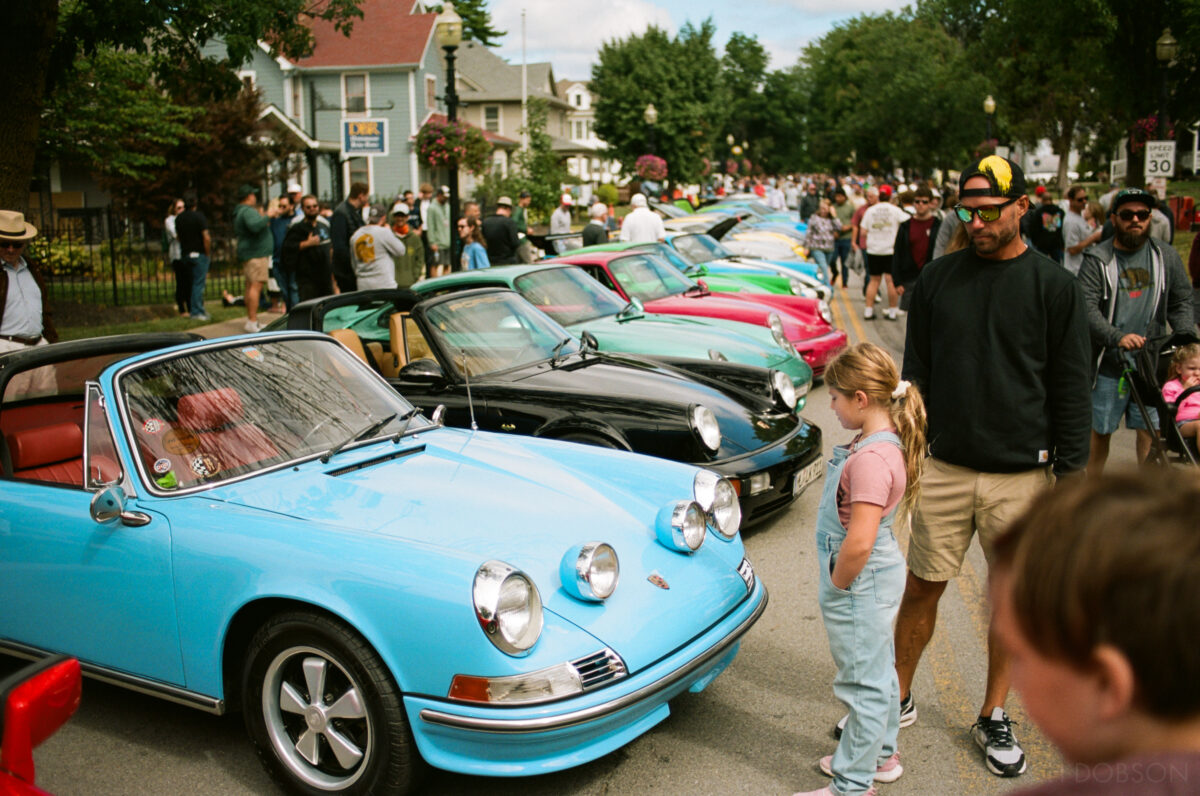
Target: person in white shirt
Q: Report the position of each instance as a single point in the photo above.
(882, 221)
(560, 219)
(642, 225)
(374, 248)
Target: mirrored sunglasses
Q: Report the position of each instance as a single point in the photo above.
(987, 213)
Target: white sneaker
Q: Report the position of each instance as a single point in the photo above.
(252, 326)
(890, 314)
(1003, 755)
(869, 313)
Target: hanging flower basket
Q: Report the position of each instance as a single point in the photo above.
(440, 143)
(706, 167)
(1147, 129)
(731, 166)
(651, 167)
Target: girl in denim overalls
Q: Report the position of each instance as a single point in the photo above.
(862, 571)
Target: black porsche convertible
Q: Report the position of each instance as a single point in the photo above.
(497, 363)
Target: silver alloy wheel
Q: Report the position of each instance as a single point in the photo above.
(316, 718)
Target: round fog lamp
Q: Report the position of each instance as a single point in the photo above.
(680, 526)
(726, 511)
(590, 571)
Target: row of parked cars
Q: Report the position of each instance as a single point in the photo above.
(313, 527)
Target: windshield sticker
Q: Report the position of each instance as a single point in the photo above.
(252, 352)
(205, 466)
(168, 481)
(153, 426)
(180, 441)
(162, 466)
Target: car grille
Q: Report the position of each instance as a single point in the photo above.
(599, 668)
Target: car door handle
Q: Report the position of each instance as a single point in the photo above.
(134, 519)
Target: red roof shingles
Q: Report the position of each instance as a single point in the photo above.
(387, 34)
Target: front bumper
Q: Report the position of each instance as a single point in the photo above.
(819, 351)
(780, 463)
(522, 741)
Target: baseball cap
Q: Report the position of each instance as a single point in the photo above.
(638, 200)
(1127, 195)
(885, 190)
(245, 190)
(400, 209)
(1005, 178)
(1041, 189)
(504, 201)
(524, 195)
(294, 187)
(567, 200)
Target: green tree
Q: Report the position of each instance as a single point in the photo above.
(80, 124)
(741, 105)
(477, 22)
(44, 37)
(912, 109)
(674, 74)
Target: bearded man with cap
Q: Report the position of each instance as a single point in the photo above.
(997, 342)
(1134, 286)
(24, 307)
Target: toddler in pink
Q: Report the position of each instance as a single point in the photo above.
(1183, 373)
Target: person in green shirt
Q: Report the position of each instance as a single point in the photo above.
(843, 210)
(410, 267)
(255, 245)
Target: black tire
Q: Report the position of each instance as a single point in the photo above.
(584, 438)
(368, 749)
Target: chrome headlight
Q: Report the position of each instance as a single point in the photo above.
(680, 526)
(726, 511)
(590, 571)
(776, 324)
(785, 391)
(704, 488)
(508, 607)
(798, 288)
(826, 313)
(717, 356)
(704, 423)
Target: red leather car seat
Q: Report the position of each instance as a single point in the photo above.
(48, 453)
(216, 417)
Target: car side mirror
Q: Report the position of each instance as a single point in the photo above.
(590, 343)
(439, 415)
(109, 504)
(424, 371)
(634, 309)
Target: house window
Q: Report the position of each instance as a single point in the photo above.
(247, 78)
(578, 98)
(354, 93)
(431, 97)
(577, 130)
(359, 170)
(491, 118)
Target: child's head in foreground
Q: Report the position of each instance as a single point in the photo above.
(1096, 593)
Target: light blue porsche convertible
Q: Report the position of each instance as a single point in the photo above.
(261, 524)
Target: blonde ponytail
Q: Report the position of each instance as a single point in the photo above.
(871, 369)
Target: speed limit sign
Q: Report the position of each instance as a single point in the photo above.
(1160, 158)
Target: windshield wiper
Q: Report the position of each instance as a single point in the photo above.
(695, 290)
(355, 437)
(407, 418)
(558, 350)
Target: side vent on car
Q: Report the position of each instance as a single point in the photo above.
(377, 460)
(599, 668)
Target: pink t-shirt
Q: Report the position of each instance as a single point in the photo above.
(1189, 409)
(874, 474)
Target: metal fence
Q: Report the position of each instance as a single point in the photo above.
(93, 255)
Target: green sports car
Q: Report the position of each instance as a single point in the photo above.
(581, 304)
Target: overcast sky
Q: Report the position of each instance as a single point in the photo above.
(568, 33)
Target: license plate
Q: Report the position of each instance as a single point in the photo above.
(806, 476)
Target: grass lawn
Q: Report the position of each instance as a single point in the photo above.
(97, 321)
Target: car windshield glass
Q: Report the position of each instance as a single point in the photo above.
(700, 248)
(648, 277)
(676, 258)
(202, 417)
(568, 295)
(494, 332)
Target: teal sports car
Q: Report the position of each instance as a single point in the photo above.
(581, 304)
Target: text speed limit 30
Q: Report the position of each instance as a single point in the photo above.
(1160, 158)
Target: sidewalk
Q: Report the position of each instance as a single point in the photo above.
(233, 326)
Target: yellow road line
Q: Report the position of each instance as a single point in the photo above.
(856, 327)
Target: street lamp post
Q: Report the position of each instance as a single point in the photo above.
(989, 110)
(448, 27)
(1166, 48)
(650, 116)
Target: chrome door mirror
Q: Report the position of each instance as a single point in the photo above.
(439, 414)
(107, 505)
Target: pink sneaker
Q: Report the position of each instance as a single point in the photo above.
(888, 771)
(827, 791)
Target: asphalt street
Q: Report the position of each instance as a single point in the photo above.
(758, 729)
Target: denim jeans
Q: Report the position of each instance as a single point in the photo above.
(199, 280)
(288, 287)
(821, 258)
(841, 253)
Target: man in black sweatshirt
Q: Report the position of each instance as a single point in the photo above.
(998, 344)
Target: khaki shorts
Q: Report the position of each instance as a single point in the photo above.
(955, 503)
(256, 269)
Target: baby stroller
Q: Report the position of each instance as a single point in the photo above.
(1146, 370)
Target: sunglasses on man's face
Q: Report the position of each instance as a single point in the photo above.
(18, 245)
(1130, 215)
(987, 213)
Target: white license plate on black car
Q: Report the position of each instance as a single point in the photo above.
(806, 476)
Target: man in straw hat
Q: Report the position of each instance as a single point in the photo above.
(24, 310)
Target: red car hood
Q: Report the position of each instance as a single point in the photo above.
(800, 316)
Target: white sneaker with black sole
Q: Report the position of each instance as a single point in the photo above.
(869, 313)
(908, 716)
(1003, 755)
